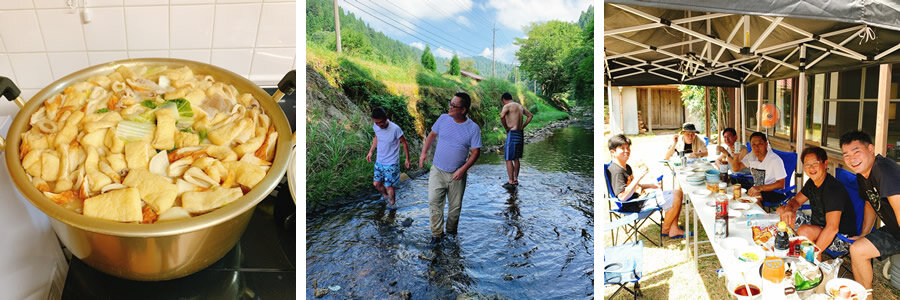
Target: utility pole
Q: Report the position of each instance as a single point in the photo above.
(337, 26)
(493, 48)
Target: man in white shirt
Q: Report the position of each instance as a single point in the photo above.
(765, 166)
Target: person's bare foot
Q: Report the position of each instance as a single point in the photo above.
(675, 231)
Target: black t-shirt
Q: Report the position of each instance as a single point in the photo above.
(619, 178)
(688, 148)
(882, 183)
(831, 196)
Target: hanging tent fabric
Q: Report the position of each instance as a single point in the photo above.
(727, 43)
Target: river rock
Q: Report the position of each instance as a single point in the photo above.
(404, 177)
(407, 222)
(321, 293)
(479, 296)
(404, 295)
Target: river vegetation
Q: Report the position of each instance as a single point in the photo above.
(374, 70)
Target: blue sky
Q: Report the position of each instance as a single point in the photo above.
(462, 26)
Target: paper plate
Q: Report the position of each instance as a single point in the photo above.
(702, 193)
(855, 288)
(740, 206)
(746, 199)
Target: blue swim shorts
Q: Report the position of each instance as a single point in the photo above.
(389, 174)
(515, 145)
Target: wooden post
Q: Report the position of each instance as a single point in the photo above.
(719, 120)
(337, 26)
(759, 100)
(884, 102)
(706, 108)
(649, 110)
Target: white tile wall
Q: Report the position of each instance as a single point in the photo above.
(235, 60)
(61, 30)
(99, 57)
(32, 70)
(20, 30)
(66, 63)
(147, 27)
(106, 31)
(278, 27)
(236, 25)
(43, 40)
(195, 55)
(191, 26)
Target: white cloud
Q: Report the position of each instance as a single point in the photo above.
(442, 52)
(505, 54)
(517, 13)
(418, 45)
(463, 20)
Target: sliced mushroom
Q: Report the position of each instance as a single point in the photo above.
(159, 164)
(199, 178)
(112, 186)
(177, 168)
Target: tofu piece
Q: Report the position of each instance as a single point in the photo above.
(138, 154)
(156, 190)
(186, 139)
(70, 129)
(32, 163)
(49, 166)
(95, 138)
(113, 142)
(246, 174)
(201, 202)
(223, 153)
(122, 205)
(224, 135)
(97, 180)
(250, 146)
(117, 161)
(164, 135)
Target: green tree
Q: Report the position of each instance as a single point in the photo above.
(693, 97)
(468, 65)
(428, 59)
(454, 65)
(580, 65)
(542, 54)
(355, 42)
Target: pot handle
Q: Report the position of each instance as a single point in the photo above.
(9, 90)
(286, 86)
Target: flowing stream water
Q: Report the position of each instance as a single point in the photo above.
(533, 242)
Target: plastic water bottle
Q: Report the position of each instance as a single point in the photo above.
(721, 215)
(762, 219)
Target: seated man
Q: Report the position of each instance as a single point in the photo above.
(730, 148)
(625, 183)
(878, 179)
(766, 167)
(832, 210)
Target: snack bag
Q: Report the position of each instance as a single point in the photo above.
(762, 235)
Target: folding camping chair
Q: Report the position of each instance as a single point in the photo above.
(634, 219)
(848, 180)
(623, 264)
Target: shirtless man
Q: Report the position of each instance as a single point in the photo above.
(511, 118)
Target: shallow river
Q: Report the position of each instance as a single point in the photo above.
(534, 242)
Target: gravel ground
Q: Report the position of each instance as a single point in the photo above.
(669, 271)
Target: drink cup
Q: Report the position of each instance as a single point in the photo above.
(737, 191)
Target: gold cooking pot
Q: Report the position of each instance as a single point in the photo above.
(164, 250)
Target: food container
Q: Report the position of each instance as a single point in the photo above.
(164, 250)
(737, 288)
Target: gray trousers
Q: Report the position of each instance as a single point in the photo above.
(441, 186)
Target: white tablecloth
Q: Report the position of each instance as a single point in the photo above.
(32, 261)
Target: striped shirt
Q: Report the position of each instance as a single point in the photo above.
(454, 141)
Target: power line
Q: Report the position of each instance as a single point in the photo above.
(429, 40)
(442, 36)
(449, 16)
